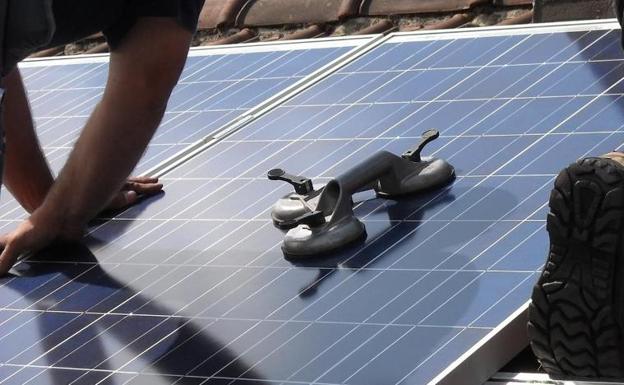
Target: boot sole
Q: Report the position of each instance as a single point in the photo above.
(575, 326)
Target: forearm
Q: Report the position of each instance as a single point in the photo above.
(26, 172)
(143, 70)
(110, 146)
(142, 74)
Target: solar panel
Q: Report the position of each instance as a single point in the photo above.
(192, 287)
(217, 86)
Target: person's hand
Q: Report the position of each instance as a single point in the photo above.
(46, 225)
(132, 189)
(32, 235)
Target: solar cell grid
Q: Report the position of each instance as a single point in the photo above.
(213, 90)
(216, 87)
(193, 285)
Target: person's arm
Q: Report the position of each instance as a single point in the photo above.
(26, 172)
(142, 74)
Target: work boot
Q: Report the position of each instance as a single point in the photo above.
(576, 312)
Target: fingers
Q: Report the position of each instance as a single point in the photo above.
(143, 185)
(144, 188)
(132, 189)
(123, 200)
(30, 236)
(8, 257)
(143, 179)
(129, 198)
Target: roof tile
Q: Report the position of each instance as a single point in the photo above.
(49, 52)
(100, 48)
(508, 3)
(243, 36)
(284, 18)
(524, 18)
(219, 13)
(396, 7)
(277, 12)
(380, 27)
(560, 10)
(452, 22)
(310, 32)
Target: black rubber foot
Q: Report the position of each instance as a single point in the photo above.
(575, 317)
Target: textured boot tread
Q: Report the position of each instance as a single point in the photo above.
(573, 325)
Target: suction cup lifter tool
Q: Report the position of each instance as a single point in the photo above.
(321, 221)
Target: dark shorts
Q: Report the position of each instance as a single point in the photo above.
(77, 19)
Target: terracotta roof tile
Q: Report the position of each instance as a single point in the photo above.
(411, 28)
(235, 21)
(243, 36)
(100, 48)
(349, 8)
(219, 13)
(396, 7)
(315, 30)
(507, 3)
(520, 19)
(560, 10)
(452, 22)
(277, 12)
(381, 27)
(49, 52)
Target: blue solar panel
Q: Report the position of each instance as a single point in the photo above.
(192, 286)
(215, 88)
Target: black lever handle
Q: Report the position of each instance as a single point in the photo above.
(301, 184)
(413, 154)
